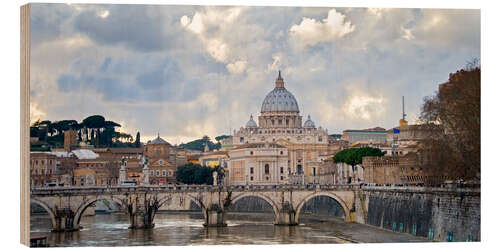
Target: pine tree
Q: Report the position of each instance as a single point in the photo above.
(138, 140)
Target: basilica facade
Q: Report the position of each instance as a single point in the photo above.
(280, 148)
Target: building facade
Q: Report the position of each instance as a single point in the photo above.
(163, 160)
(375, 135)
(259, 163)
(43, 168)
(280, 122)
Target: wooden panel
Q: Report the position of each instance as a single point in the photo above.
(25, 120)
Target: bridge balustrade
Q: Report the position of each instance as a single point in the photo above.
(186, 188)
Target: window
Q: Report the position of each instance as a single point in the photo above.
(281, 170)
(281, 177)
(251, 178)
(157, 172)
(279, 122)
(266, 169)
(242, 139)
(299, 169)
(160, 162)
(164, 172)
(251, 170)
(50, 171)
(251, 152)
(281, 152)
(314, 171)
(170, 173)
(287, 122)
(320, 138)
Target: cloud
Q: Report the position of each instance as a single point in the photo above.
(207, 25)
(35, 112)
(237, 67)
(311, 32)
(444, 28)
(104, 14)
(364, 107)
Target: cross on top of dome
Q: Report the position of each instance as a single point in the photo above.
(279, 81)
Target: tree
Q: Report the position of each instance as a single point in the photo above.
(194, 174)
(108, 133)
(64, 125)
(138, 140)
(221, 137)
(457, 108)
(354, 156)
(336, 136)
(48, 124)
(93, 122)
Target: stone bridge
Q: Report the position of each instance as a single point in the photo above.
(66, 205)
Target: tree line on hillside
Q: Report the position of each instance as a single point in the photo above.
(199, 144)
(94, 130)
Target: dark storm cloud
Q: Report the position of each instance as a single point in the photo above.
(47, 20)
(165, 82)
(112, 89)
(141, 27)
(167, 73)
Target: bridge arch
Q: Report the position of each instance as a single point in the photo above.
(262, 196)
(82, 207)
(317, 194)
(197, 202)
(47, 208)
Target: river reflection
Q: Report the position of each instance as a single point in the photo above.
(187, 229)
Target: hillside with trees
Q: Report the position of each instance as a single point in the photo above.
(95, 130)
(199, 144)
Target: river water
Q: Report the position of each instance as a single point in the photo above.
(181, 229)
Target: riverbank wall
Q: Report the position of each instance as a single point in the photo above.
(440, 214)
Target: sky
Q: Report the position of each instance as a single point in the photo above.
(189, 71)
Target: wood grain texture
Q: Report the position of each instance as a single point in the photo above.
(25, 120)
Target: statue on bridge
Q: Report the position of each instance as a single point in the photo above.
(215, 181)
(123, 172)
(145, 172)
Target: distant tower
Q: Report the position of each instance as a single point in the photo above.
(403, 121)
(207, 149)
(70, 140)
